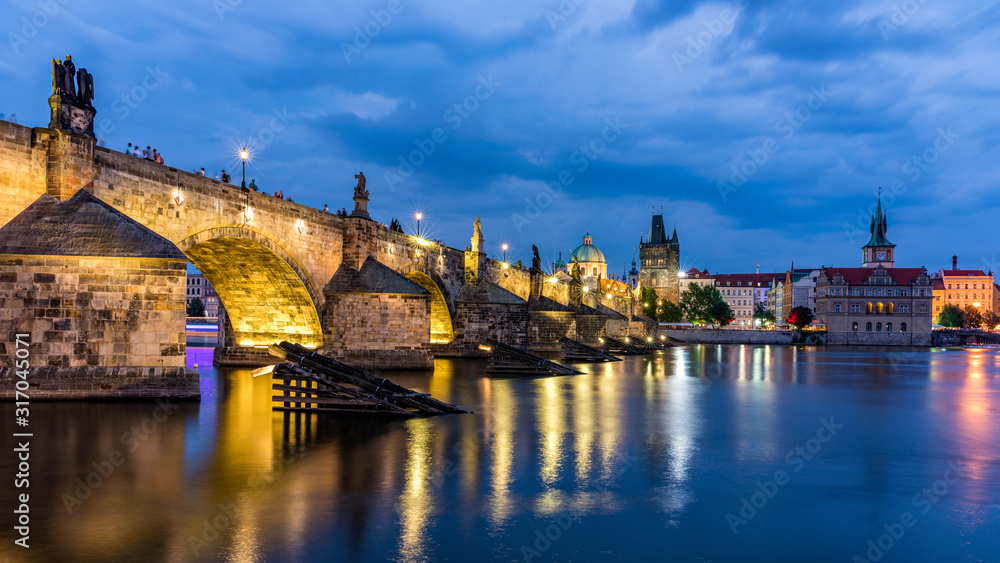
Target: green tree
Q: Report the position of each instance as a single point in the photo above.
(762, 316)
(670, 313)
(704, 304)
(951, 316)
(800, 316)
(991, 320)
(973, 317)
(196, 308)
(648, 300)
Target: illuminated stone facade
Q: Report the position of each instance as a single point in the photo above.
(659, 261)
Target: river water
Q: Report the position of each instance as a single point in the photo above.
(695, 454)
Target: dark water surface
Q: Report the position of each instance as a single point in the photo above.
(807, 453)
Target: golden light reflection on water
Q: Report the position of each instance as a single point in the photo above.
(416, 501)
(503, 412)
(550, 413)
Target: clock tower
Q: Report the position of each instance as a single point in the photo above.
(879, 251)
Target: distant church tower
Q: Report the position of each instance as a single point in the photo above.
(879, 251)
(659, 259)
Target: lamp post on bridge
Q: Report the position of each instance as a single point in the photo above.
(244, 155)
(247, 213)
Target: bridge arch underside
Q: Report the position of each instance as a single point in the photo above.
(442, 331)
(265, 298)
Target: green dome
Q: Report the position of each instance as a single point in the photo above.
(587, 252)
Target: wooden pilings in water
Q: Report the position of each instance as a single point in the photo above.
(505, 359)
(314, 383)
(573, 351)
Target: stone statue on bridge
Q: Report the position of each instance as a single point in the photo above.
(360, 197)
(72, 98)
(85, 89)
(360, 188)
(478, 241)
(536, 262)
(63, 77)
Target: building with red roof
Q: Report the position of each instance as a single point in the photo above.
(742, 292)
(876, 304)
(964, 288)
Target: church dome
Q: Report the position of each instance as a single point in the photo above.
(587, 252)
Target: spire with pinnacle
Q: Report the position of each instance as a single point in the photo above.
(879, 226)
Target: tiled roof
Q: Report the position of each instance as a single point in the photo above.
(374, 277)
(957, 273)
(487, 292)
(81, 226)
(546, 304)
(857, 276)
(744, 280)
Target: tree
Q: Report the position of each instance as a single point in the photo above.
(649, 299)
(951, 316)
(196, 308)
(991, 320)
(670, 313)
(762, 316)
(800, 316)
(720, 311)
(973, 317)
(704, 304)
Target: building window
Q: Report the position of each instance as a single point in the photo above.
(837, 307)
(855, 292)
(904, 308)
(868, 308)
(879, 308)
(868, 327)
(902, 327)
(855, 308)
(878, 327)
(854, 327)
(888, 327)
(888, 309)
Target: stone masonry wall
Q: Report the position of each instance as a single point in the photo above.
(22, 169)
(477, 323)
(373, 321)
(121, 318)
(550, 326)
(589, 328)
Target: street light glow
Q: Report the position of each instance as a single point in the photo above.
(244, 154)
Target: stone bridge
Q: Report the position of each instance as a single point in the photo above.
(283, 271)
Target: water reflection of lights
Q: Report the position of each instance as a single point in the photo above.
(551, 427)
(503, 420)
(416, 502)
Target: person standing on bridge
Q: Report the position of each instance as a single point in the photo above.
(225, 177)
(128, 150)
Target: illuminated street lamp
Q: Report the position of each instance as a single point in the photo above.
(244, 155)
(504, 247)
(419, 217)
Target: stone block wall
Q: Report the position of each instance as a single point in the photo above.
(550, 326)
(354, 322)
(590, 328)
(879, 339)
(122, 318)
(22, 169)
(477, 323)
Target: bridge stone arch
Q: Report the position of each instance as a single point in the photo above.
(269, 297)
(442, 303)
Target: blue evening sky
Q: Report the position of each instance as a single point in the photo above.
(763, 128)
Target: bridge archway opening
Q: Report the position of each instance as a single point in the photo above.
(265, 297)
(442, 330)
